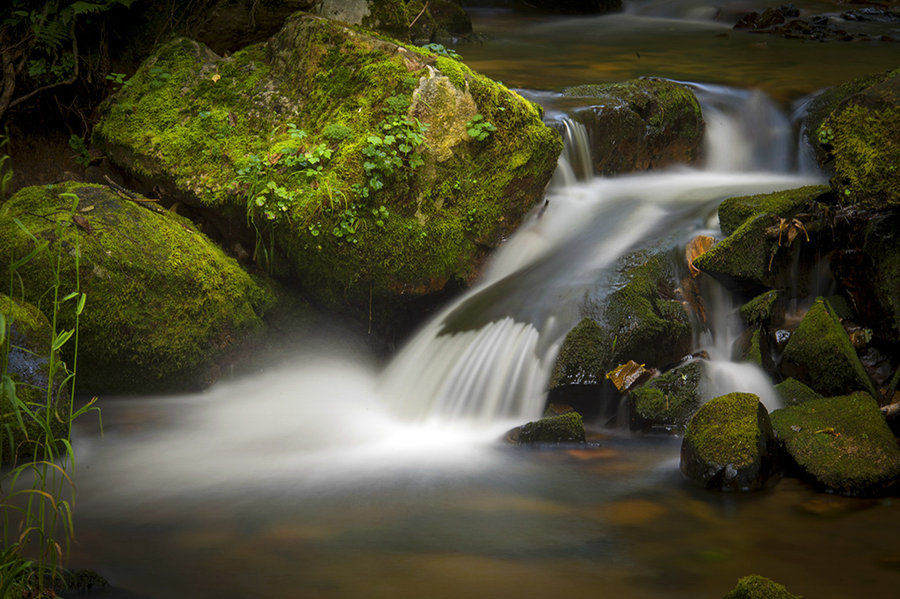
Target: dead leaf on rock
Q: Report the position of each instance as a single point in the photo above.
(82, 223)
(628, 375)
(695, 248)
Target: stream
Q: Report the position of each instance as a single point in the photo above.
(329, 474)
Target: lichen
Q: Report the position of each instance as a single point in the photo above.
(163, 302)
(842, 443)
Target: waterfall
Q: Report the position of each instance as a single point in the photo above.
(489, 355)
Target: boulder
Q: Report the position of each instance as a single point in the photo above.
(854, 129)
(368, 170)
(792, 392)
(564, 428)
(729, 445)
(820, 354)
(759, 587)
(668, 401)
(640, 124)
(842, 444)
(164, 304)
(583, 357)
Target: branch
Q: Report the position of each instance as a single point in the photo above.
(69, 81)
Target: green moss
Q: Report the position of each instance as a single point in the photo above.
(745, 255)
(820, 353)
(733, 212)
(759, 587)
(163, 302)
(584, 356)
(842, 443)
(565, 428)
(670, 399)
(321, 76)
(725, 430)
(793, 392)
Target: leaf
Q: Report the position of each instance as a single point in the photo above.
(695, 248)
(61, 339)
(627, 375)
(72, 295)
(82, 223)
(81, 301)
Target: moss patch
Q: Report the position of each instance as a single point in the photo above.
(733, 212)
(163, 302)
(793, 392)
(841, 443)
(820, 354)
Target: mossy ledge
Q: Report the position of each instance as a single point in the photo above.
(164, 303)
(350, 243)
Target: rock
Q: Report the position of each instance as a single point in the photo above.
(27, 334)
(743, 260)
(371, 172)
(854, 129)
(583, 357)
(841, 443)
(793, 392)
(733, 212)
(565, 428)
(820, 354)
(763, 310)
(164, 304)
(668, 401)
(729, 445)
(640, 124)
(408, 20)
(759, 587)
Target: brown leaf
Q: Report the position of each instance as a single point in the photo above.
(82, 223)
(274, 158)
(695, 248)
(627, 375)
(232, 119)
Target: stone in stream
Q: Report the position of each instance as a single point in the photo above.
(562, 429)
(729, 445)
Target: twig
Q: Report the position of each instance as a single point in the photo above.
(130, 195)
(421, 12)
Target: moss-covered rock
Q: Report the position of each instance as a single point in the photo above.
(733, 212)
(858, 138)
(759, 587)
(820, 354)
(792, 392)
(420, 21)
(729, 444)
(565, 428)
(841, 443)
(744, 258)
(641, 124)
(668, 401)
(764, 309)
(368, 169)
(164, 303)
(583, 356)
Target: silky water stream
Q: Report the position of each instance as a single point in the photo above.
(328, 475)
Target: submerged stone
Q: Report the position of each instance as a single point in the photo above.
(368, 170)
(641, 124)
(668, 401)
(841, 443)
(820, 354)
(729, 445)
(163, 303)
(759, 587)
(565, 428)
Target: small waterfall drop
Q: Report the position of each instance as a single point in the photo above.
(489, 355)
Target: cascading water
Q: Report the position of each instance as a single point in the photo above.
(489, 355)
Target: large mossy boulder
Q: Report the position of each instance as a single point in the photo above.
(855, 128)
(759, 587)
(367, 169)
(163, 303)
(562, 429)
(420, 21)
(668, 401)
(640, 124)
(842, 444)
(820, 354)
(729, 445)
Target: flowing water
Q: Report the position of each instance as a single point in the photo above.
(327, 474)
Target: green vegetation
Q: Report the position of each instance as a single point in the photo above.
(478, 128)
(759, 587)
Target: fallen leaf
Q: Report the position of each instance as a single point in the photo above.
(216, 77)
(627, 375)
(695, 248)
(82, 223)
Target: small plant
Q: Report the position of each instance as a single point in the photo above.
(825, 135)
(396, 148)
(82, 156)
(442, 50)
(158, 77)
(381, 215)
(479, 129)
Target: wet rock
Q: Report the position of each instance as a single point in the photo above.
(854, 128)
(383, 174)
(841, 443)
(820, 354)
(640, 124)
(765, 309)
(792, 392)
(733, 212)
(744, 258)
(164, 304)
(667, 402)
(563, 429)
(583, 357)
(759, 587)
(729, 445)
